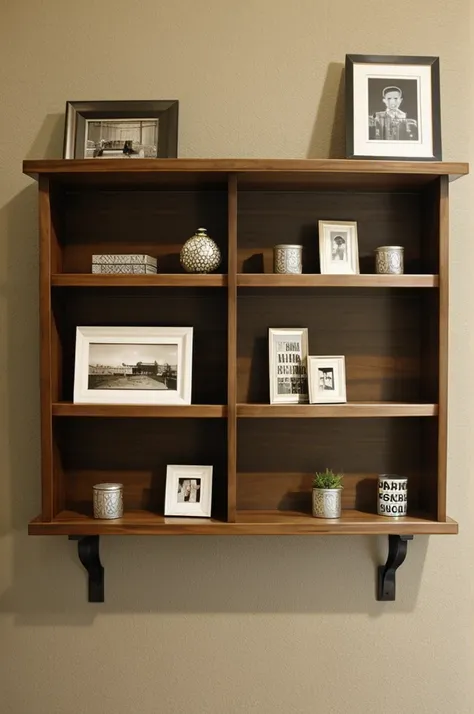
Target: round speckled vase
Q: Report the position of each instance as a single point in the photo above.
(200, 254)
(327, 502)
(108, 500)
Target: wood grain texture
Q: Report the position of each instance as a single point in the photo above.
(315, 280)
(276, 460)
(162, 280)
(232, 353)
(151, 222)
(342, 166)
(136, 452)
(443, 345)
(192, 411)
(254, 523)
(204, 310)
(324, 411)
(378, 332)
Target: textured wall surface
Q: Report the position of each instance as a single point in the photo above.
(212, 626)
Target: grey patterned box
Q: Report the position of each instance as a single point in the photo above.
(124, 269)
(124, 259)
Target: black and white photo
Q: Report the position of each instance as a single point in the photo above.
(129, 129)
(338, 247)
(188, 491)
(133, 365)
(121, 139)
(327, 379)
(288, 351)
(393, 107)
(127, 366)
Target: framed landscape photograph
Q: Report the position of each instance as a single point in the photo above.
(288, 353)
(121, 130)
(327, 380)
(188, 491)
(133, 365)
(338, 248)
(393, 107)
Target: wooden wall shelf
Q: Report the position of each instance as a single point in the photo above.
(393, 331)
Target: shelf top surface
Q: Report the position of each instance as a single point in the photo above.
(352, 522)
(252, 173)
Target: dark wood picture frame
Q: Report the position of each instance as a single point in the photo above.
(78, 112)
(433, 63)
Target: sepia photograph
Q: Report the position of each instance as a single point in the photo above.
(133, 365)
(288, 350)
(338, 248)
(327, 379)
(119, 366)
(188, 491)
(121, 139)
(393, 109)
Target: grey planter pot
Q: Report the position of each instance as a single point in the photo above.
(327, 502)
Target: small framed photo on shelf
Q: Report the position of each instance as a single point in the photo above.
(288, 354)
(392, 107)
(133, 365)
(327, 380)
(121, 130)
(188, 491)
(338, 248)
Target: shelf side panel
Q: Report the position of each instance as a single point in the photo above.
(232, 352)
(443, 343)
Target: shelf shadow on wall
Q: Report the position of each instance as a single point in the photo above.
(328, 136)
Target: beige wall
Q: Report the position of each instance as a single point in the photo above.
(210, 626)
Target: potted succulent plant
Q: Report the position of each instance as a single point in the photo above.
(327, 493)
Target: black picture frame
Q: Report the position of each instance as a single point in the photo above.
(77, 114)
(435, 153)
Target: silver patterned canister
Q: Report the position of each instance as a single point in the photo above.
(392, 497)
(108, 500)
(287, 258)
(389, 260)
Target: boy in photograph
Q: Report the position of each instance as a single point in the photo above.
(392, 124)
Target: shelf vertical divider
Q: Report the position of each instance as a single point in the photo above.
(443, 343)
(232, 351)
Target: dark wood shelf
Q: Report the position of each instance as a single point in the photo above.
(267, 280)
(352, 522)
(350, 409)
(185, 280)
(68, 409)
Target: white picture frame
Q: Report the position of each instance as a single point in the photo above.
(338, 248)
(108, 368)
(287, 356)
(188, 491)
(327, 379)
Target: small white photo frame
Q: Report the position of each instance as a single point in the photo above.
(288, 354)
(133, 365)
(327, 379)
(188, 491)
(338, 248)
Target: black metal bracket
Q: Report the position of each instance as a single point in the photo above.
(397, 551)
(88, 551)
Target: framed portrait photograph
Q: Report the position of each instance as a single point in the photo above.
(393, 107)
(338, 248)
(188, 491)
(133, 365)
(121, 130)
(327, 380)
(288, 353)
